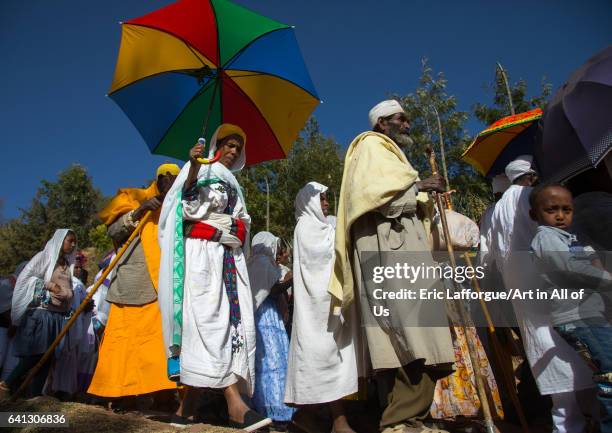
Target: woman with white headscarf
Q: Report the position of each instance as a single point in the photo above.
(41, 305)
(322, 362)
(267, 283)
(204, 293)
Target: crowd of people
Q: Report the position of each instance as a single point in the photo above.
(197, 303)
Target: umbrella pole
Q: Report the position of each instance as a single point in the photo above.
(473, 354)
(80, 309)
(507, 376)
(202, 139)
(210, 107)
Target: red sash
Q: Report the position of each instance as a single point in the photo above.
(200, 230)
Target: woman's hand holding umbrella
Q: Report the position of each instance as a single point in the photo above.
(195, 157)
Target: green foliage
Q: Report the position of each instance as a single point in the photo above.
(100, 240)
(314, 157)
(429, 102)
(500, 107)
(70, 202)
(488, 114)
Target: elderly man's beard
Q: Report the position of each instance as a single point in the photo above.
(400, 136)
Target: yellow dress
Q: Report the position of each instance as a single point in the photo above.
(132, 359)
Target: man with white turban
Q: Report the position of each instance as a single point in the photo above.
(515, 200)
(556, 367)
(380, 198)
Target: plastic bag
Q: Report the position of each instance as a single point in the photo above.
(464, 232)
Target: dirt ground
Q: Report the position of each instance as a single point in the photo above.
(97, 419)
(84, 418)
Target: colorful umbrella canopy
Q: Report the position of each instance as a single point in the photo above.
(577, 124)
(206, 62)
(503, 141)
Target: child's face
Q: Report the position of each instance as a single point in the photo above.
(324, 204)
(69, 244)
(554, 208)
(282, 256)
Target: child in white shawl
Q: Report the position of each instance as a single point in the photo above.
(272, 341)
(322, 362)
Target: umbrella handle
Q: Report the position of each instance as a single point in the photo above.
(206, 160)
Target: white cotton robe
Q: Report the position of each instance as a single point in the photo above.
(322, 361)
(486, 223)
(262, 267)
(555, 365)
(206, 353)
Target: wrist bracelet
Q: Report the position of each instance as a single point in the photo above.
(130, 218)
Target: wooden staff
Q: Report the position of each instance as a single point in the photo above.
(465, 319)
(497, 351)
(81, 307)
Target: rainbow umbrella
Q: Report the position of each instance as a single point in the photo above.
(186, 68)
(503, 141)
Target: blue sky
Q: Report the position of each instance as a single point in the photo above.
(59, 56)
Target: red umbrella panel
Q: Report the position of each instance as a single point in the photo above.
(187, 68)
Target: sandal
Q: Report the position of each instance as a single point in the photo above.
(252, 422)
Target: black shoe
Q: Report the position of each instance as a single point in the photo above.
(280, 426)
(252, 422)
(180, 421)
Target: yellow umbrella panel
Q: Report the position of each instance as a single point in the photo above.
(503, 141)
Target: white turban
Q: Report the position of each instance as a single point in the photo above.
(384, 109)
(519, 167)
(500, 183)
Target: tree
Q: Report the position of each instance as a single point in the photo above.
(500, 107)
(436, 123)
(100, 240)
(502, 103)
(70, 202)
(314, 157)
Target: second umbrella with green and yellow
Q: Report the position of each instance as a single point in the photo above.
(503, 141)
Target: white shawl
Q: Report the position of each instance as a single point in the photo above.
(263, 270)
(512, 228)
(314, 238)
(39, 268)
(169, 222)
